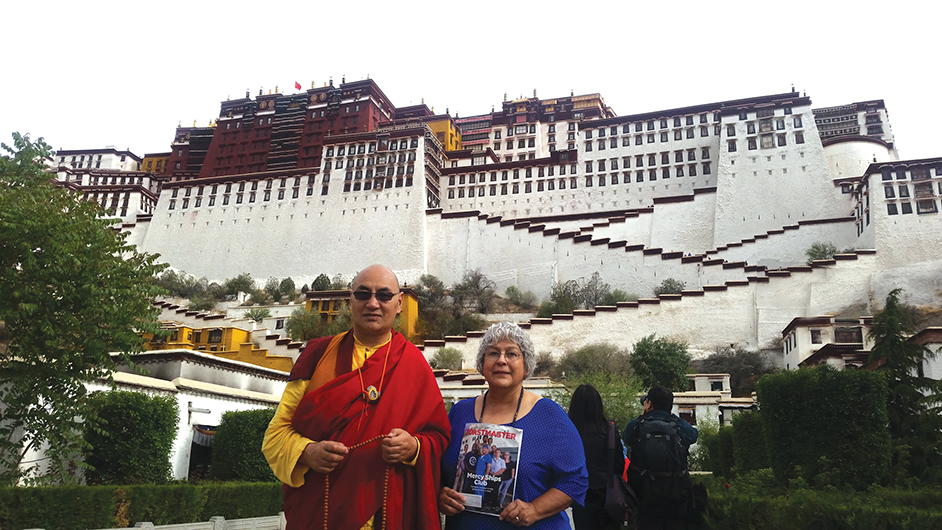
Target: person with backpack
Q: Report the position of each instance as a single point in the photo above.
(658, 473)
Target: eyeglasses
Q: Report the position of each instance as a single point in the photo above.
(511, 356)
(643, 399)
(382, 296)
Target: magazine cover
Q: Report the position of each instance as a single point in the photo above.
(487, 466)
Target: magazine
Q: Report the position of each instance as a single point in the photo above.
(487, 466)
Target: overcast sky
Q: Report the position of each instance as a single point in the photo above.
(88, 74)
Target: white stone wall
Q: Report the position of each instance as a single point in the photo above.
(850, 159)
(301, 238)
(749, 316)
(765, 189)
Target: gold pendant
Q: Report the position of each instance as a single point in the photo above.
(372, 394)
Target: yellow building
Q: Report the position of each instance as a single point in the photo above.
(446, 131)
(228, 342)
(155, 163)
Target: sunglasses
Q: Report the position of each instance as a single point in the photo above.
(382, 296)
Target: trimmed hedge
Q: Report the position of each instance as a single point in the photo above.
(132, 438)
(749, 449)
(237, 447)
(806, 509)
(826, 427)
(71, 507)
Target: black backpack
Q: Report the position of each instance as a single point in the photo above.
(659, 456)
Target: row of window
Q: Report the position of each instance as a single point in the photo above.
(926, 206)
(764, 126)
(368, 161)
(359, 149)
(920, 190)
(269, 183)
(590, 181)
(917, 173)
(765, 141)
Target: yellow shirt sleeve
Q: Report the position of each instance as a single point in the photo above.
(282, 445)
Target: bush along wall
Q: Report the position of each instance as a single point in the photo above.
(749, 448)
(237, 447)
(131, 436)
(825, 426)
(71, 507)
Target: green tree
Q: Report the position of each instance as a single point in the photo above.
(71, 292)
(273, 289)
(305, 325)
(617, 295)
(439, 313)
(594, 291)
(258, 313)
(565, 297)
(236, 447)
(525, 300)
(661, 361)
(181, 284)
(670, 286)
(287, 288)
(619, 394)
(201, 302)
(132, 441)
(446, 358)
(599, 357)
(819, 250)
(242, 283)
(744, 368)
(915, 424)
(321, 283)
(475, 292)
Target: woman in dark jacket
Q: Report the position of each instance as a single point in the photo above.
(587, 414)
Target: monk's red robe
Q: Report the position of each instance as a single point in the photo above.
(410, 400)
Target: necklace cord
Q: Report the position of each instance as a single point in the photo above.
(516, 412)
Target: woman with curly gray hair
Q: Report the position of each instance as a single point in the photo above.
(550, 472)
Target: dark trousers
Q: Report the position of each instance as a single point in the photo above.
(593, 515)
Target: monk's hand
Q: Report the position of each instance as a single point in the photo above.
(323, 456)
(450, 502)
(399, 446)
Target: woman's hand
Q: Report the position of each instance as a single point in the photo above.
(450, 502)
(520, 513)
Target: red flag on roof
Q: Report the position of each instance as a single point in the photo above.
(297, 85)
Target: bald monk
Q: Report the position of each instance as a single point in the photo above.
(361, 410)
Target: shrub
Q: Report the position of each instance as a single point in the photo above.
(670, 286)
(258, 313)
(133, 439)
(237, 453)
(446, 358)
(70, 507)
(817, 420)
(599, 357)
(819, 250)
(526, 300)
(749, 449)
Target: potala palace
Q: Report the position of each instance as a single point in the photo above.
(723, 196)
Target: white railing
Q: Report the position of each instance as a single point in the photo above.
(275, 522)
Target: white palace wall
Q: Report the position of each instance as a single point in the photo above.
(338, 233)
(533, 258)
(765, 189)
(747, 314)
